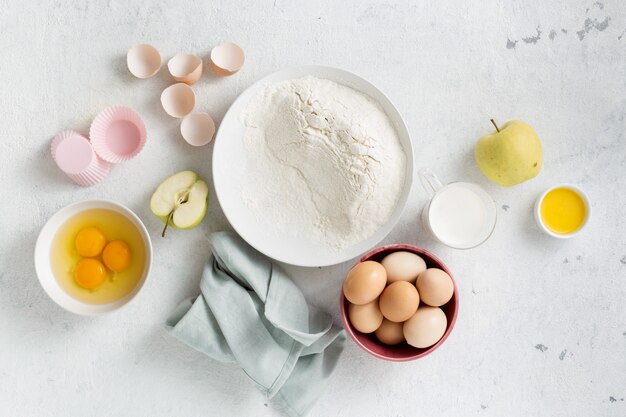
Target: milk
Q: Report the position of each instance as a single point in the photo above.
(460, 215)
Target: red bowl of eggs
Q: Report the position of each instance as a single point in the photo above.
(411, 302)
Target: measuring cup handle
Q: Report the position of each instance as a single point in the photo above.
(429, 181)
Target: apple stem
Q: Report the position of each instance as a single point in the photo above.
(167, 222)
(493, 122)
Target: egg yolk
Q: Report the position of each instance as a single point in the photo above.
(89, 273)
(89, 242)
(563, 210)
(116, 256)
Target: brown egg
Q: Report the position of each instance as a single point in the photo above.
(435, 287)
(390, 333)
(366, 318)
(426, 327)
(365, 282)
(399, 301)
(403, 266)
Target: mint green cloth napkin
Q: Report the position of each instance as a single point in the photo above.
(250, 313)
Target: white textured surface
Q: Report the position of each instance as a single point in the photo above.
(542, 325)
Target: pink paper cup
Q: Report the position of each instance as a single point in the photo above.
(75, 156)
(117, 134)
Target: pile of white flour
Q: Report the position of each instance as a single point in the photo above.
(326, 162)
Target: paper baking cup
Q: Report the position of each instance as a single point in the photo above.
(75, 156)
(117, 134)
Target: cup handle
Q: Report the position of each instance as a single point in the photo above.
(429, 181)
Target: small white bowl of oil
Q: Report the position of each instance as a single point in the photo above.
(562, 211)
(57, 257)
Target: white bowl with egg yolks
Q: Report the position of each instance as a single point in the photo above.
(43, 265)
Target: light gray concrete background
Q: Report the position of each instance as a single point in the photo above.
(542, 324)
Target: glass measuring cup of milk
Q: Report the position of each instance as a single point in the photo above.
(459, 214)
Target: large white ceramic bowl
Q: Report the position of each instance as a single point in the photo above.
(230, 169)
(44, 245)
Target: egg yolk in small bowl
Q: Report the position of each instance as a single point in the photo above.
(563, 211)
(116, 256)
(90, 273)
(98, 256)
(89, 242)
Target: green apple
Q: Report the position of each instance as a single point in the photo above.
(510, 155)
(181, 200)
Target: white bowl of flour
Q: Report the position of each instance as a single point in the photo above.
(312, 166)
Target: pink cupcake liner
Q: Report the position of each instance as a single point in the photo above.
(75, 156)
(117, 134)
(92, 178)
(79, 150)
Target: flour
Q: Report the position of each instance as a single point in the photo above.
(325, 161)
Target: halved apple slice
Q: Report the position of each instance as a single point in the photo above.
(180, 200)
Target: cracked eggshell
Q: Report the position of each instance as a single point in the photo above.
(178, 100)
(197, 129)
(143, 60)
(185, 68)
(227, 59)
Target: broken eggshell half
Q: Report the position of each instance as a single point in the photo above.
(227, 59)
(197, 129)
(185, 68)
(178, 100)
(143, 60)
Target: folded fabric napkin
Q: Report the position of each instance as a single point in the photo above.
(251, 313)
